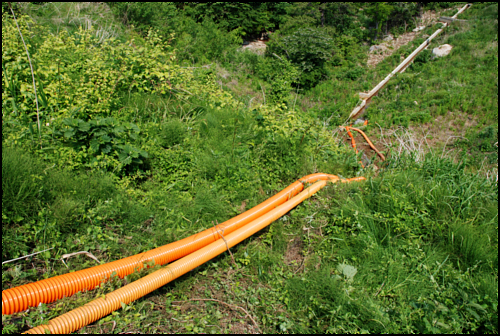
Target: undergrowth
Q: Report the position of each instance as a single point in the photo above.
(133, 155)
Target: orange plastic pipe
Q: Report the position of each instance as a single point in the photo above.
(49, 290)
(101, 307)
(353, 142)
(372, 146)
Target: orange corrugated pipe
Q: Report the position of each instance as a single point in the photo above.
(372, 146)
(353, 142)
(49, 290)
(101, 307)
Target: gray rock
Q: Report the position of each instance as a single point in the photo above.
(359, 121)
(442, 50)
(389, 38)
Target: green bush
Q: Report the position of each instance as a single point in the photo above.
(103, 137)
(309, 49)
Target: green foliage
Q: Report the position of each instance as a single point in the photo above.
(20, 183)
(281, 73)
(250, 18)
(72, 16)
(379, 12)
(172, 133)
(199, 38)
(412, 249)
(203, 42)
(40, 202)
(144, 15)
(309, 49)
(103, 137)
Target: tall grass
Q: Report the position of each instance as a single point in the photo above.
(418, 235)
(412, 249)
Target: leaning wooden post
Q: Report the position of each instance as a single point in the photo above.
(366, 97)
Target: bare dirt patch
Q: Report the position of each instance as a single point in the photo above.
(257, 46)
(294, 252)
(444, 129)
(439, 135)
(387, 48)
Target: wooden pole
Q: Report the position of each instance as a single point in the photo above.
(360, 109)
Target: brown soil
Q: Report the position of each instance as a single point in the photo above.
(438, 135)
(293, 252)
(258, 47)
(387, 48)
(444, 130)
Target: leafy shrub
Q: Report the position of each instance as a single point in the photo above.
(486, 138)
(203, 42)
(308, 48)
(87, 81)
(144, 15)
(281, 73)
(422, 58)
(421, 117)
(352, 73)
(105, 136)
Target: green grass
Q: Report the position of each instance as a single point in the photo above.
(414, 249)
(423, 238)
(72, 16)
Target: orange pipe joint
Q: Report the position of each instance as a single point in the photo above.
(49, 290)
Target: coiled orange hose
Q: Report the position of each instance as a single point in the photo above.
(49, 290)
(101, 307)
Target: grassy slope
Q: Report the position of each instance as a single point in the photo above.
(451, 96)
(422, 238)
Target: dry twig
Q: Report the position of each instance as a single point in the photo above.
(229, 305)
(26, 256)
(32, 73)
(88, 254)
(222, 236)
(380, 289)
(112, 329)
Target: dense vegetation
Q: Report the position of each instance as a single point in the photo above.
(149, 123)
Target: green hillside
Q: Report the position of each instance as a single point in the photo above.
(150, 124)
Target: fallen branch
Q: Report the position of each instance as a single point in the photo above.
(88, 254)
(27, 256)
(112, 329)
(380, 289)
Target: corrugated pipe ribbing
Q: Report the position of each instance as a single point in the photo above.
(49, 290)
(101, 307)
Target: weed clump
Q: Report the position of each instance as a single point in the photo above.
(21, 183)
(172, 133)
